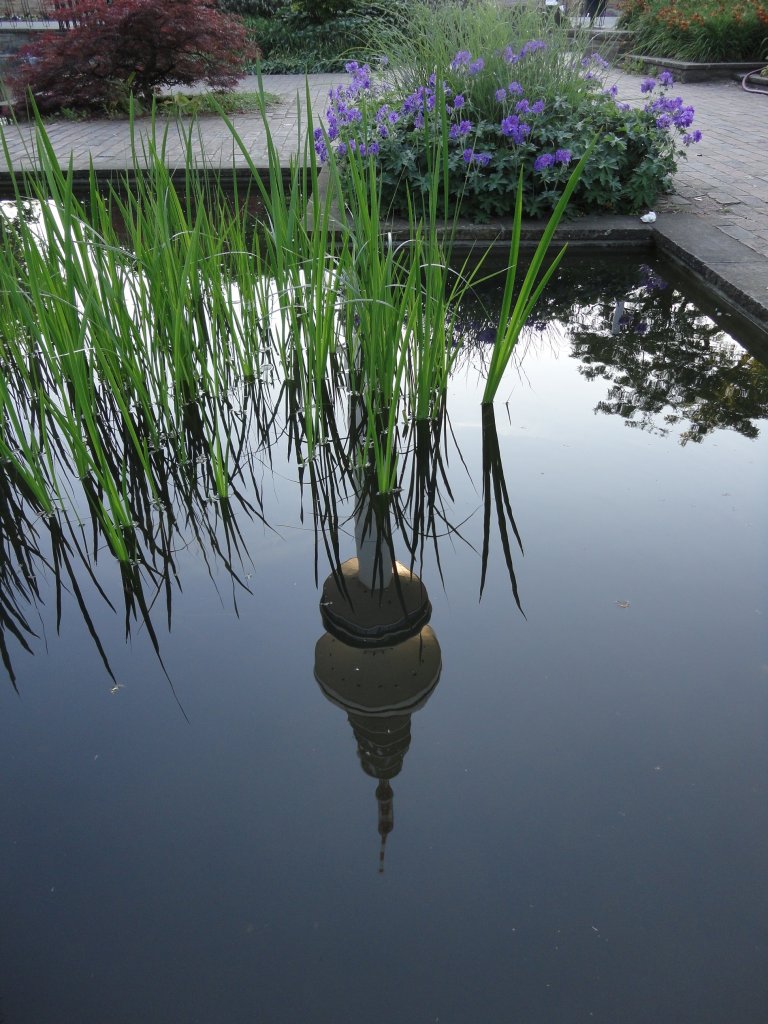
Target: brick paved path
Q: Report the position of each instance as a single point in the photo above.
(108, 143)
(724, 180)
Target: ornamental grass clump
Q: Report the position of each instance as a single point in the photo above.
(698, 30)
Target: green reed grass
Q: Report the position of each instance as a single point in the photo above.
(127, 320)
(512, 319)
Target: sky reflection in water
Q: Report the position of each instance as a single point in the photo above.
(574, 801)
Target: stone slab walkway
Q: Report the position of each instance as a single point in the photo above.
(725, 178)
(108, 143)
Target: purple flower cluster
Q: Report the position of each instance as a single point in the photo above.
(594, 60)
(462, 59)
(544, 160)
(457, 131)
(513, 128)
(343, 110)
(530, 47)
(369, 122)
(669, 111)
(469, 156)
(594, 66)
(465, 60)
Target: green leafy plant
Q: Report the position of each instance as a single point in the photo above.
(484, 131)
(292, 41)
(698, 30)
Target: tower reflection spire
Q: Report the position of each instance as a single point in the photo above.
(378, 660)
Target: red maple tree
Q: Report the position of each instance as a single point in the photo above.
(114, 48)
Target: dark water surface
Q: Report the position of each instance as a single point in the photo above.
(581, 820)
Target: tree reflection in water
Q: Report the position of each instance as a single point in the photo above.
(668, 365)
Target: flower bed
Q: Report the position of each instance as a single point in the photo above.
(699, 30)
(482, 124)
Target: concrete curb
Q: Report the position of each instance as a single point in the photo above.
(735, 272)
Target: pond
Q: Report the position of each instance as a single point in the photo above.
(220, 805)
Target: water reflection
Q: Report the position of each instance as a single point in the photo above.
(669, 366)
(379, 661)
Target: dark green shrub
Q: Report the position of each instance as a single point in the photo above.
(253, 8)
(290, 42)
(320, 11)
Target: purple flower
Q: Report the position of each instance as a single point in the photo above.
(469, 156)
(613, 92)
(513, 128)
(694, 136)
(532, 47)
(476, 66)
(509, 123)
(341, 149)
(510, 56)
(684, 119)
(462, 57)
(647, 85)
(501, 95)
(563, 156)
(663, 121)
(458, 102)
(543, 161)
(523, 107)
(594, 60)
(666, 79)
(320, 147)
(373, 149)
(393, 116)
(361, 76)
(538, 107)
(462, 128)
(515, 89)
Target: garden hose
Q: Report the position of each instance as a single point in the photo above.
(749, 88)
